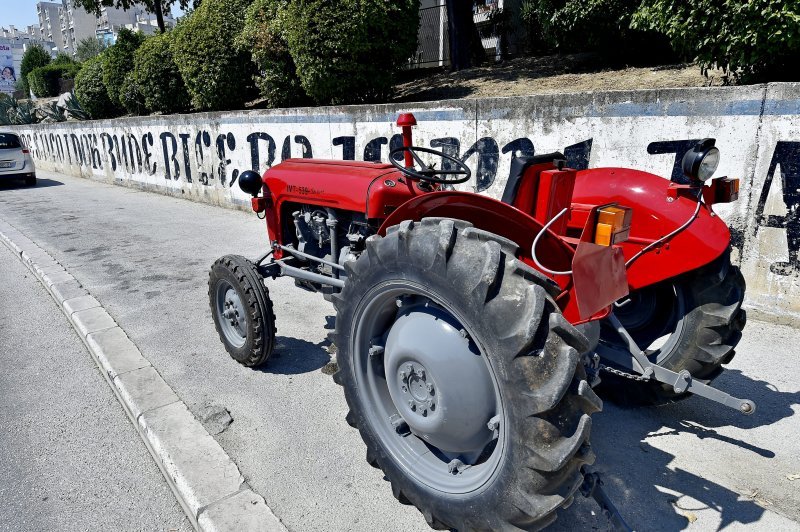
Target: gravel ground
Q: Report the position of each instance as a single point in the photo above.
(145, 257)
(69, 457)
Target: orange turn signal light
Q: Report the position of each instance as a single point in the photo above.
(726, 190)
(613, 225)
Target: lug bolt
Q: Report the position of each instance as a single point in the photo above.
(455, 466)
(746, 408)
(421, 374)
(375, 351)
(412, 405)
(430, 388)
(404, 388)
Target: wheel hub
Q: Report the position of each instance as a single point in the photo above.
(231, 313)
(438, 381)
(415, 383)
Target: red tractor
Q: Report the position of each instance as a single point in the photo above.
(471, 332)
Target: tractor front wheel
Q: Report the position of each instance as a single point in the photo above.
(242, 310)
(463, 378)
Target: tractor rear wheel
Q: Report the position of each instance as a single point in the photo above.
(463, 378)
(692, 322)
(242, 310)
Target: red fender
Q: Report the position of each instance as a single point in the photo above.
(503, 220)
(653, 217)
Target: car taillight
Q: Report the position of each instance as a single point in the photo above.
(24, 150)
(613, 225)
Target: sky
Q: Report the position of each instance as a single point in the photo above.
(20, 13)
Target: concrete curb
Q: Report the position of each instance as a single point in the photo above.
(206, 482)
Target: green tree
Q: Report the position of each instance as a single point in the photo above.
(276, 79)
(350, 50)
(45, 81)
(750, 40)
(157, 7)
(217, 75)
(63, 59)
(88, 48)
(602, 26)
(34, 57)
(118, 61)
(158, 77)
(91, 92)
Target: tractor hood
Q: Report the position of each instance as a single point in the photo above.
(365, 187)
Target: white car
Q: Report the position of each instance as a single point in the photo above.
(15, 159)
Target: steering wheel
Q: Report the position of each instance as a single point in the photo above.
(428, 173)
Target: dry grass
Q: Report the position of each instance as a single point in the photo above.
(546, 75)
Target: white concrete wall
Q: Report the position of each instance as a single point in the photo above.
(757, 129)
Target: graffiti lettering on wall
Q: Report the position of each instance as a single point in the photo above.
(172, 156)
(134, 154)
(786, 161)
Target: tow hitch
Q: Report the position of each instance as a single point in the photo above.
(681, 381)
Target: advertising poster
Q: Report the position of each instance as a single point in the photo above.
(8, 75)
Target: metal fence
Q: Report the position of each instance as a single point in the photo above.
(434, 40)
(433, 49)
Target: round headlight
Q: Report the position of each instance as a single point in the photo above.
(708, 164)
(700, 163)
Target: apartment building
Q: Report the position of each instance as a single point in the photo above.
(50, 23)
(76, 24)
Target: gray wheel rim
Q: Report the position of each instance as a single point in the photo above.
(659, 352)
(231, 314)
(428, 391)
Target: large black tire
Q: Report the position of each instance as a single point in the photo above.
(234, 279)
(534, 354)
(701, 312)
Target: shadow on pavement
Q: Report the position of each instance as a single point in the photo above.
(13, 184)
(650, 493)
(293, 356)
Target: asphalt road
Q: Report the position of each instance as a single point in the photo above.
(145, 257)
(69, 457)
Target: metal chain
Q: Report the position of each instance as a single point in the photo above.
(625, 374)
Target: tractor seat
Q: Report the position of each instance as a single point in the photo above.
(521, 165)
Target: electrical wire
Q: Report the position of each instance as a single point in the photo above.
(536, 241)
(667, 237)
(630, 261)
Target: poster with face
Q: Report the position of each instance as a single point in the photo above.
(8, 75)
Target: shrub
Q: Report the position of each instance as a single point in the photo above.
(349, 51)
(277, 79)
(44, 81)
(216, 74)
(158, 77)
(750, 40)
(601, 26)
(34, 57)
(118, 61)
(87, 48)
(63, 59)
(130, 95)
(91, 92)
